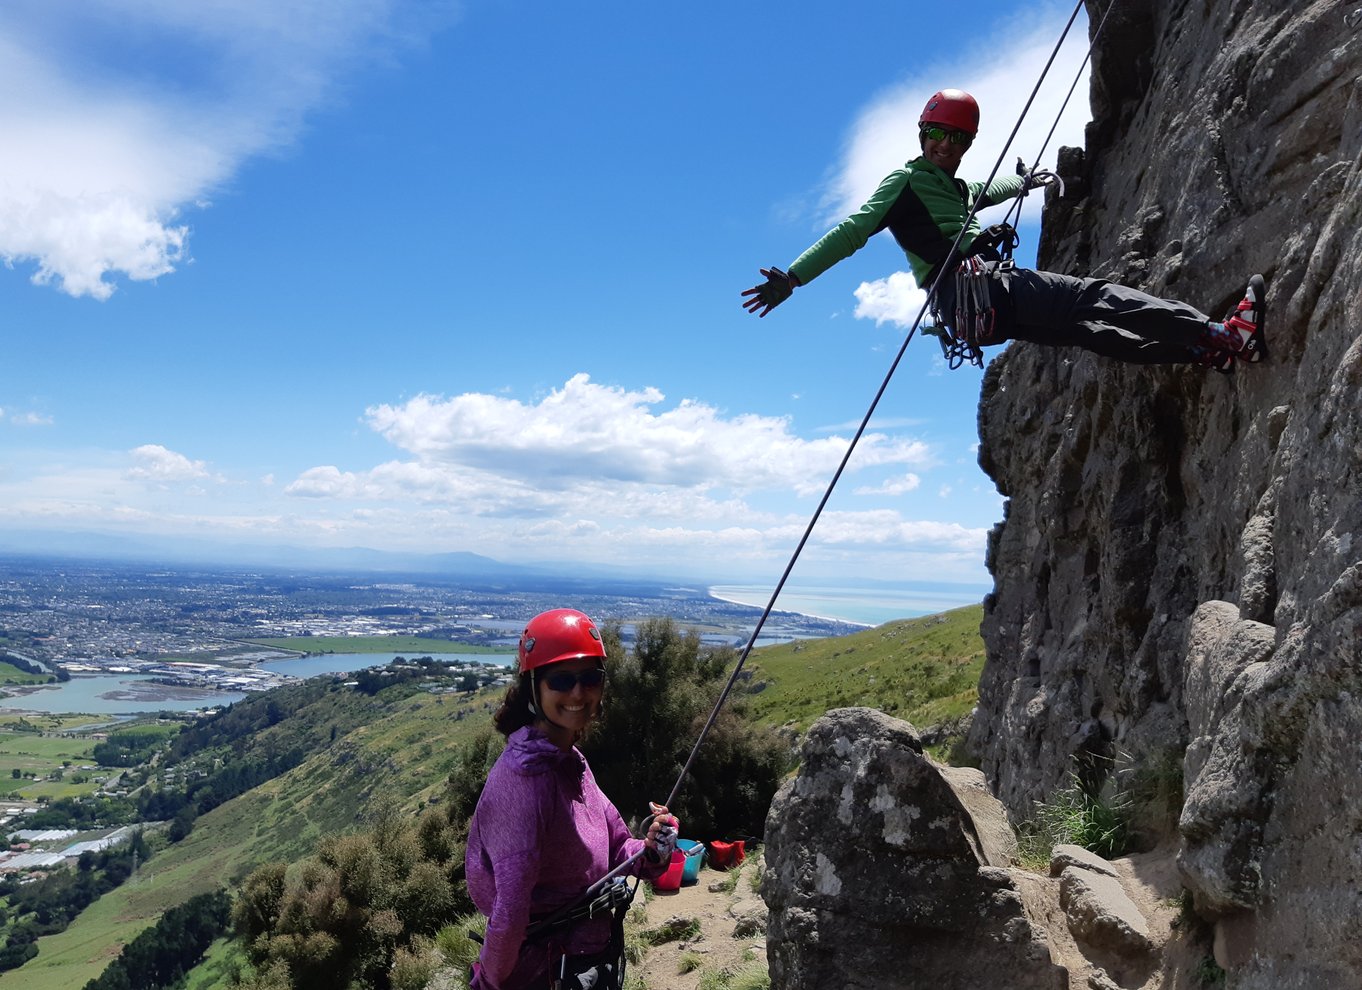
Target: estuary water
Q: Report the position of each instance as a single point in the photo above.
(116, 694)
(137, 694)
(345, 663)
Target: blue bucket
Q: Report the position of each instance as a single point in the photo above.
(691, 874)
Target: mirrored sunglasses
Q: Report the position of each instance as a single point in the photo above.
(564, 681)
(933, 133)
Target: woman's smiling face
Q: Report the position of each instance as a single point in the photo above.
(569, 712)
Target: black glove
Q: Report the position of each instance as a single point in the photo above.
(775, 290)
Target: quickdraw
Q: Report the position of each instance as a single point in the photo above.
(974, 320)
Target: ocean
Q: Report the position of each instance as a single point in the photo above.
(867, 606)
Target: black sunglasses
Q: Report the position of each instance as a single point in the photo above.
(564, 681)
(933, 133)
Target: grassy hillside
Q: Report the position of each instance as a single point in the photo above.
(394, 749)
(921, 670)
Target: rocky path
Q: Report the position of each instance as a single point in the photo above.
(732, 930)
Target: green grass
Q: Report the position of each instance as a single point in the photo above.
(10, 674)
(414, 646)
(1100, 823)
(223, 959)
(34, 723)
(923, 670)
(42, 755)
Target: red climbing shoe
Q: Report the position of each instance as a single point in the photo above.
(1249, 320)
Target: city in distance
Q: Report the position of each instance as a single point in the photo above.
(134, 635)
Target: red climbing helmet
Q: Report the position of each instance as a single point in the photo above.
(953, 108)
(559, 634)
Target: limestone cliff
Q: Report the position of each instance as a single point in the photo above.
(1179, 564)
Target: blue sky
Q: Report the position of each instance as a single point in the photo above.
(465, 276)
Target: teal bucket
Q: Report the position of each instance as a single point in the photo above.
(691, 874)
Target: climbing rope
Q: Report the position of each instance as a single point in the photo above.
(1028, 174)
(851, 447)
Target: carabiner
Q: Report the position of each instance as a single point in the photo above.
(1353, 20)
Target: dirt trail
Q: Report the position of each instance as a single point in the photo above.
(716, 946)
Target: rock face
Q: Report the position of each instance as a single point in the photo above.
(885, 871)
(1179, 568)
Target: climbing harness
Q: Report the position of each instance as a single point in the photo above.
(974, 319)
(600, 970)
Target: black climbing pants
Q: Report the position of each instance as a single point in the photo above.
(1092, 313)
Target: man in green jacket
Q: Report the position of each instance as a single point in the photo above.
(984, 300)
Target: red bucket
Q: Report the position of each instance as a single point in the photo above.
(723, 855)
(671, 879)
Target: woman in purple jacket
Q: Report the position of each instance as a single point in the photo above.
(543, 832)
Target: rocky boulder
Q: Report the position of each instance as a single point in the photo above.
(884, 870)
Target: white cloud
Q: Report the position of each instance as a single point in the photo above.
(152, 462)
(27, 418)
(892, 486)
(586, 432)
(100, 158)
(896, 299)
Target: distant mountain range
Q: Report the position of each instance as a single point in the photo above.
(105, 546)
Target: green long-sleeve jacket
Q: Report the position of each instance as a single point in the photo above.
(922, 206)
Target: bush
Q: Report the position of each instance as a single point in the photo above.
(413, 966)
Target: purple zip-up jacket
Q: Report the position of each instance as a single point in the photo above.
(543, 832)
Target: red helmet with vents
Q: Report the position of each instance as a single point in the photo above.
(557, 635)
(953, 108)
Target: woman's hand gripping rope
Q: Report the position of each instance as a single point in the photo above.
(662, 834)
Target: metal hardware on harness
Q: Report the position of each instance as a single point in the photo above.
(974, 319)
(615, 895)
(1353, 20)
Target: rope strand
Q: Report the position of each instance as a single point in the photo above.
(851, 447)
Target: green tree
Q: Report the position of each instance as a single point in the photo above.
(658, 698)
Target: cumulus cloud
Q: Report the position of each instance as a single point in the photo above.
(155, 463)
(100, 160)
(893, 486)
(896, 299)
(586, 432)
